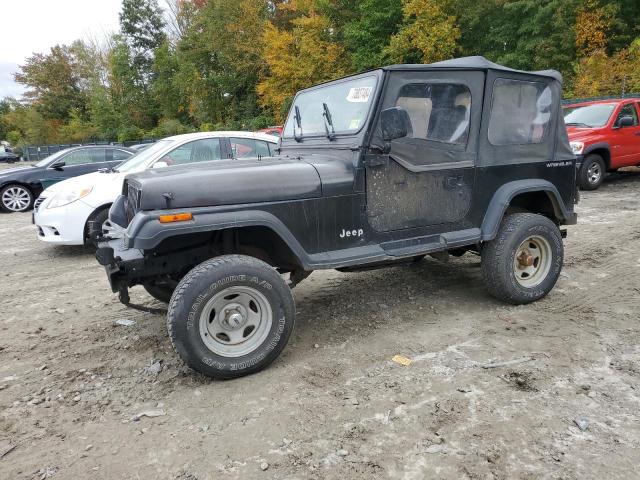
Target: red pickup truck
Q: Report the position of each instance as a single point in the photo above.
(605, 136)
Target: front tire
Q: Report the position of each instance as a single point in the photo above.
(16, 198)
(231, 316)
(592, 172)
(96, 220)
(523, 263)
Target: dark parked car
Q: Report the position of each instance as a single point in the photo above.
(376, 169)
(20, 186)
(8, 155)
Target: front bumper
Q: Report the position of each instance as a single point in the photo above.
(62, 225)
(123, 265)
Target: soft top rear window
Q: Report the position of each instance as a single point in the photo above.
(520, 112)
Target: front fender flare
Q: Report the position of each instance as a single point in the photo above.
(145, 231)
(597, 146)
(503, 196)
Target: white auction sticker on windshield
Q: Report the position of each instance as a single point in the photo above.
(359, 94)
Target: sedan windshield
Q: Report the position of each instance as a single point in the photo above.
(338, 108)
(588, 116)
(140, 159)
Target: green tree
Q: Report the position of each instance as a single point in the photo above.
(219, 61)
(368, 34)
(53, 84)
(142, 29)
(298, 58)
(524, 34)
(429, 33)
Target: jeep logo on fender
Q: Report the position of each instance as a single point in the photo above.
(351, 233)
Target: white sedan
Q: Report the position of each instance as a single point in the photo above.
(63, 212)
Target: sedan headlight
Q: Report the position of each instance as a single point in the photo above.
(577, 147)
(65, 197)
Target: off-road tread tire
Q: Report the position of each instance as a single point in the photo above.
(582, 176)
(497, 258)
(193, 284)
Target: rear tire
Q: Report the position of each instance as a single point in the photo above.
(523, 263)
(592, 172)
(231, 316)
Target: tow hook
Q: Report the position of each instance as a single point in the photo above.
(123, 296)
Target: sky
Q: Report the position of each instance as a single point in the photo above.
(34, 26)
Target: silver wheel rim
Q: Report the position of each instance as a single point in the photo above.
(236, 321)
(594, 173)
(16, 199)
(532, 261)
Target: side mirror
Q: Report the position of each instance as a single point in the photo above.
(160, 164)
(58, 165)
(394, 123)
(627, 121)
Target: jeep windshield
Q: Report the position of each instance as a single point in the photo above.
(589, 116)
(334, 109)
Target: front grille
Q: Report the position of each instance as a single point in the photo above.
(38, 202)
(133, 202)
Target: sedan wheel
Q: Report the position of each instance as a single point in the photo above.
(16, 198)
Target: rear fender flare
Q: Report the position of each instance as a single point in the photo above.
(502, 199)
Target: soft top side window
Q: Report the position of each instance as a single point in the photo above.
(438, 112)
(520, 112)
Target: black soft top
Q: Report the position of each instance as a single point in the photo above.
(472, 63)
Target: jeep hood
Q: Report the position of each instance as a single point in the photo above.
(226, 182)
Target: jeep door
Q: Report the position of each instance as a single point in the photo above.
(427, 177)
(625, 140)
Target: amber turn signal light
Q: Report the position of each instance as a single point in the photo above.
(178, 217)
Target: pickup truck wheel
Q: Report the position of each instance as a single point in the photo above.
(160, 292)
(231, 316)
(522, 264)
(16, 198)
(592, 172)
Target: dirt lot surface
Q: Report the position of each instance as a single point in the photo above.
(334, 406)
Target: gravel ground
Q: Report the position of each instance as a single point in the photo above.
(334, 406)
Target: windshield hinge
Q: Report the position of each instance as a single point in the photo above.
(376, 160)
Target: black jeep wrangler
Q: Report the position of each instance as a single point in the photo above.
(374, 169)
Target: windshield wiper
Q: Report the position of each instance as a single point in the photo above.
(578, 124)
(326, 114)
(297, 119)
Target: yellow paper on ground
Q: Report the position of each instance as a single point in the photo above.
(401, 360)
